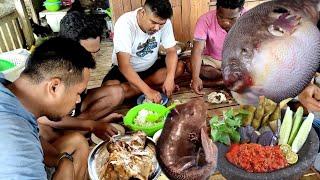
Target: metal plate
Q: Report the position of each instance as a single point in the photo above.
(164, 100)
(94, 157)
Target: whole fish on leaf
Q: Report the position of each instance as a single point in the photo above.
(272, 50)
(184, 149)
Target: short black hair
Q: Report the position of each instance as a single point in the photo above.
(230, 4)
(61, 58)
(79, 26)
(161, 8)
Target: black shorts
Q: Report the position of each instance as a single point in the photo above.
(115, 74)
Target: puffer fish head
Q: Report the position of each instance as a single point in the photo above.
(272, 50)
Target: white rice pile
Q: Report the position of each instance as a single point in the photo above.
(141, 118)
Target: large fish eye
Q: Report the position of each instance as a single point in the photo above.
(280, 10)
(244, 51)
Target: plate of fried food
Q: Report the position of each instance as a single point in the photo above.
(130, 156)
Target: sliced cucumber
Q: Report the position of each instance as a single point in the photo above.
(302, 133)
(296, 124)
(286, 127)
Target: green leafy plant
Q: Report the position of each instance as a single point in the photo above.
(225, 130)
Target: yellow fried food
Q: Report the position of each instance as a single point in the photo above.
(259, 113)
(247, 120)
(276, 114)
(269, 107)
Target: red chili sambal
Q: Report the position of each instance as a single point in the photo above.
(256, 158)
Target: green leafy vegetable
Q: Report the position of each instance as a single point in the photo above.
(225, 130)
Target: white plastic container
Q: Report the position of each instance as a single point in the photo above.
(54, 18)
(17, 57)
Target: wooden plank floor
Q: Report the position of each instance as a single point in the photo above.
(103, 64)
(185, 94)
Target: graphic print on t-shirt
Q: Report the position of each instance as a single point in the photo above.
(146, 48)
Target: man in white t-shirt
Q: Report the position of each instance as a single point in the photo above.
(137, 37)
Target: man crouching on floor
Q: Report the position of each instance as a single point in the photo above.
(137, 37)
(56, 73)
(93, 113)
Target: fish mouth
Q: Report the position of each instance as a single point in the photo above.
(237, 81)
(250, 95)
(246, 97)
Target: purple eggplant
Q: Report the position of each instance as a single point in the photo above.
(254, 137)
(245, 133)
(274, 141)
(265, 139)
(264, 129)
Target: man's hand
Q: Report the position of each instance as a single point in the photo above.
(153, 96)
(104, 130)
(196, 61)
(196, 85)
(310, 97)
(171, 65)
(168, 87)
(111, 117)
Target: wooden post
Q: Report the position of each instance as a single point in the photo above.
(117, 9)
(127, 6)
(10, 32)
(3, 48)
(32, 11)
(186, 27)
(18, 31)
(135, 4)
(177, 19)
(25, 22)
